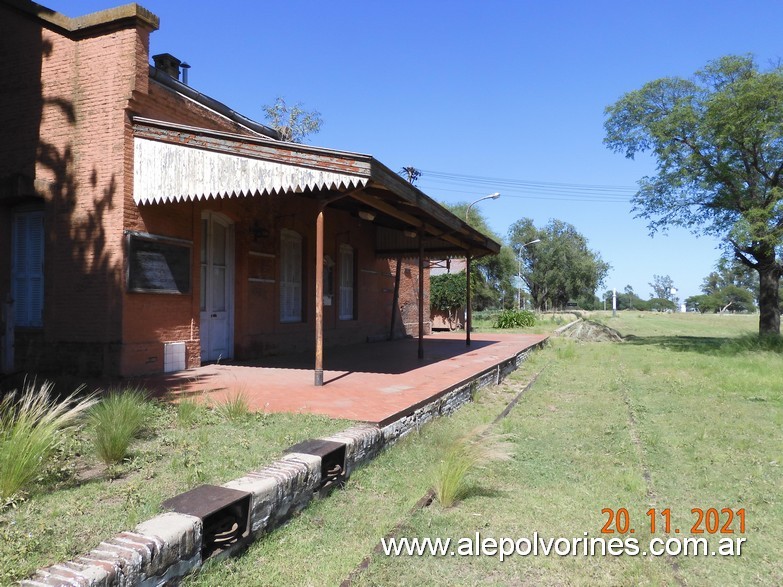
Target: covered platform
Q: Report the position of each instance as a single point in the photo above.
(375, 382)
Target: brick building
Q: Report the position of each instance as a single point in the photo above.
(145, 227)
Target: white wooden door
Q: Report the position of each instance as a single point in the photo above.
(217, 296)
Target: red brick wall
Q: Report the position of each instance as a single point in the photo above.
(258, 331)
(71, 108)
(66, 124)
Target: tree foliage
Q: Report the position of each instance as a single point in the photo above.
(728, 298)
(627, 300)
(730, 272)
(663, 288)
(560, 267)
(294, 123)
(448, 292)
(718, 142)
(731, 287)
(491, 281)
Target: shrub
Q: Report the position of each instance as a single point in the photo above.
(30, 427)
(515, 319)
(116, 420)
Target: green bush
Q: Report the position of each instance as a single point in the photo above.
(515, 319)
(30, 427)
(116, 420)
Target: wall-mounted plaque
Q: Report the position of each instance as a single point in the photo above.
(158, 264)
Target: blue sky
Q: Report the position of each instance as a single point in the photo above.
(493, 89)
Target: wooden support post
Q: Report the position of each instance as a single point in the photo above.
(395, 299)
(421, 294)
(319, 298)
(469, 312)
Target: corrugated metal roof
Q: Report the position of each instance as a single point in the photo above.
(167, 172)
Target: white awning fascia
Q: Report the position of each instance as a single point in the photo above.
(167, 172)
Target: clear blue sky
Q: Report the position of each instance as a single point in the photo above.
(492, 89)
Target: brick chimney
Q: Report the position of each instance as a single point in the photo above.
(168, 63)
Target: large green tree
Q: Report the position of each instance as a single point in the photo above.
(718, 141)
(558, 268)
(730, 272)
(731, 286)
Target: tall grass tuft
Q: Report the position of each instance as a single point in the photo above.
(116, 420)
(460, 458)
(187, 412)
(234, 408)
(30, 425)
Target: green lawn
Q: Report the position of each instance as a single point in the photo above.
(677, 417)
(78, 501)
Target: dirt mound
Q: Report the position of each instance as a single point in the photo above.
(588, 331)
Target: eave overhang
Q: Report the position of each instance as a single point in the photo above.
(175, 162)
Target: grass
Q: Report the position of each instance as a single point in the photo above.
(31, 424)
(684, 415)
(462, 456)
(77, 501)
(188, 411)
(116, 420)
(234, 408)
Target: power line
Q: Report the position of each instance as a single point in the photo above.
(440, 181)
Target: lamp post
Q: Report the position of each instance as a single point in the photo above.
(494, 196)
(468, 309)
(519, 271)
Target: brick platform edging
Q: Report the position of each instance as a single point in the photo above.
(162, 550)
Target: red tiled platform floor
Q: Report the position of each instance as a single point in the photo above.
(374, 382)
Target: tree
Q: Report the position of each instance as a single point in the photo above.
(732, 286)
(293, 123)
(730, 272)
(721, 300)
(630, 294)
(560, 267)
(662, 305)
(448, 293)
(663, 288)
(718, 142)
(491, 281)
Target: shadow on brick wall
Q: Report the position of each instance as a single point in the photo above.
(44, 164)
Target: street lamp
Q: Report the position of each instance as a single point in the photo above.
(494, 196)
(519, 271)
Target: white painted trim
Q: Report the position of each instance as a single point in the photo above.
(165, 172)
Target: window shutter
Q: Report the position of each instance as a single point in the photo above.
(28, 243)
